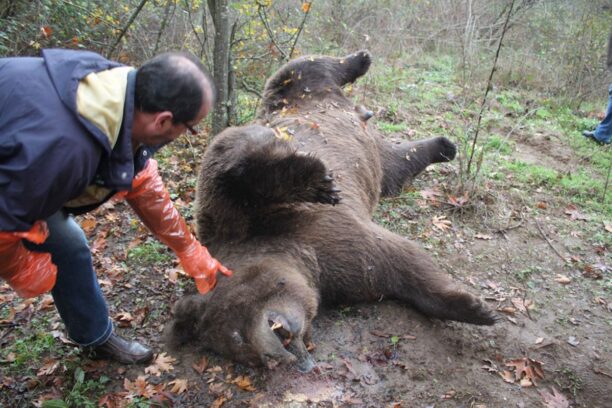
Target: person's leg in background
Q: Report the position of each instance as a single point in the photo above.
(603, 132)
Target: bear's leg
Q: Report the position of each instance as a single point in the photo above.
(371, 263)
(411, 276)
(402, 162)
(269, 172)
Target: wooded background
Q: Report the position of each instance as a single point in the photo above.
(556, 46)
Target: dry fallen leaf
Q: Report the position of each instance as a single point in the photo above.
(483, 236)
(574, 213)
(46, 302)
(430, 194)
(507, 376)
(48, 368)
(441, 223)
(179, 386)
(458, 201)
(244, 383)
(608, 226)
(139, 387)
(162, 364)
(218, 402)
(554, 400)
(562, 279)
(124, 319)
(88, 225)
(526, 371)
(9, 317)
(201, 365)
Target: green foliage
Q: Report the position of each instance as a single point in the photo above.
(84, 393)
(510, 100)
(150, 252)
(30, 349)
(386, 127)
(524, 275)
(499, 144)
(30, 26)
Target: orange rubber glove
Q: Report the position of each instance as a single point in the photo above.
(28, 273)
(151, 201)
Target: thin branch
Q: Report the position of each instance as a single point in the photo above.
(261, 11)
(248, 88)
(126, 27)
(163, 24)
(548, 241)
(489, 85)
(297, 35)
(193, 28)
(603, 197)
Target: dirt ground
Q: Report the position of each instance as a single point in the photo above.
(526, 254)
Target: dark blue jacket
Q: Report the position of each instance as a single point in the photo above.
(49, 153)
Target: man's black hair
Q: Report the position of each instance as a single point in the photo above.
(169, 83)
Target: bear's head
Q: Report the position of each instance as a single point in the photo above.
(266, 310)
(312, 78)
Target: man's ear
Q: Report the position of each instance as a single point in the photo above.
(163, 120)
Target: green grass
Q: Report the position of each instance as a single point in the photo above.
(498, 144)
(149, 252)
(29, 350)
(387, 127)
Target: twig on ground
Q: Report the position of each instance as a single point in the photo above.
(598, 371)
(548, 241)
(603, 197)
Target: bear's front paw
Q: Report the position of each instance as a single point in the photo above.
(480, 313)
(327, 193)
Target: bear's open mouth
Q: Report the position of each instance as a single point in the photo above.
(285, 336)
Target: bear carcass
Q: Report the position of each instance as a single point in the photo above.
(287, 204)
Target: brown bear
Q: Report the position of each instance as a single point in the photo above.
(287, 204)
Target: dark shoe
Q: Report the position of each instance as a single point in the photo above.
(589, 134)
(119, 349)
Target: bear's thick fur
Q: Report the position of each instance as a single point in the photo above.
(287, 204)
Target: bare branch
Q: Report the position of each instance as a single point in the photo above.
(126, 27)
(489, 86)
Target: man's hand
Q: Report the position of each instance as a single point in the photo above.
(151, 201)
(198, 263)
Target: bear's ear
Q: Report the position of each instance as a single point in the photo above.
(187, 313)
(351, 67)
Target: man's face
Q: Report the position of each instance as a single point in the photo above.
(154, 129)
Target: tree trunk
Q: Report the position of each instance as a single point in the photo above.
(219, 11)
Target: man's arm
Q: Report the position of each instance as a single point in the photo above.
(151, 201)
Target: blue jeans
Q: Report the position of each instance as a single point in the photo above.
(603, 132)
(77, 295)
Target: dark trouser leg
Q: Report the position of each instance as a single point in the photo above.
(77, 295)
(603, 133)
